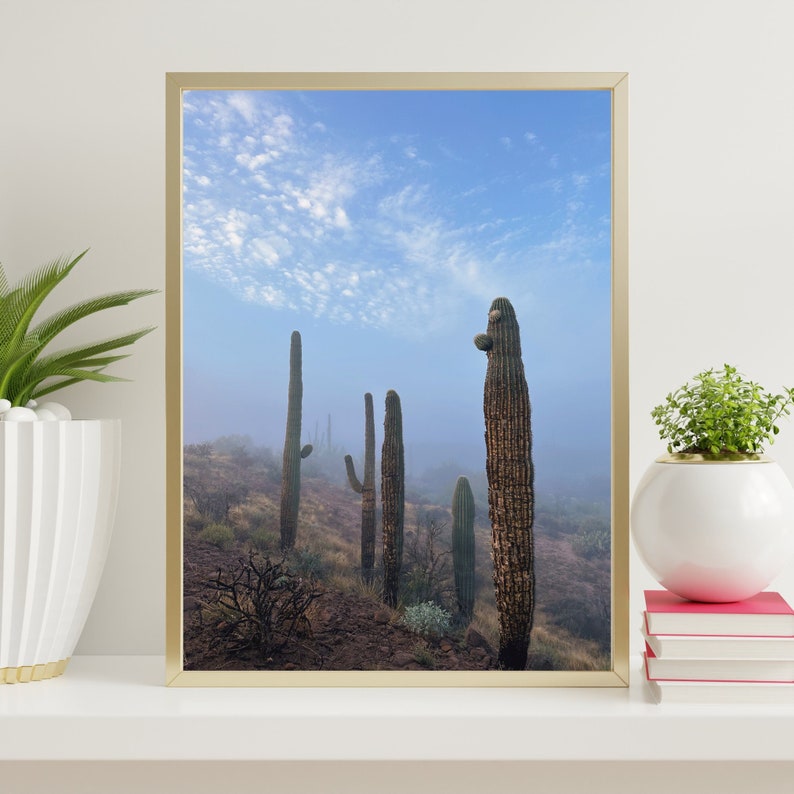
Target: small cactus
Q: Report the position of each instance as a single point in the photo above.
(463, 546)
(511, 502)
(392, 497)
(367, 490)
(293, 452)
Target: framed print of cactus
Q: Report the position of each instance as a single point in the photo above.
(397, 379)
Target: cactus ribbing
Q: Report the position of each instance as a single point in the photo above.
(293, 453)
(393, 497)
(463, 545)
(367, 490)
(508, 441)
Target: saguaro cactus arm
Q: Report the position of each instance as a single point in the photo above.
(367, 491)
(355, 483)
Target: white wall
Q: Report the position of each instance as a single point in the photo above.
(711, 196)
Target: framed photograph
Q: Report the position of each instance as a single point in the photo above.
(397, 379)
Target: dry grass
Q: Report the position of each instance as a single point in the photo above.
(569, 587)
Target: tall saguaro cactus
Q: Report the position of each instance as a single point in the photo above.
(392, 497)
(293, 453)
(366, 488)
(463, 545)
(511, 502)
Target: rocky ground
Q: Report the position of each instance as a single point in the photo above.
(345, 631)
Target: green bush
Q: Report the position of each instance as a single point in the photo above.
(265, 539)
(307, 562)
(721, 412)
(424, 657)
(427, 619)
(594, 540)
(220, 535)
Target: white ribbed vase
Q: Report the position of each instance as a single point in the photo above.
(58, 489)
(713, 528)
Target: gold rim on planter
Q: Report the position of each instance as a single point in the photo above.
(36, 672)
(707, 457)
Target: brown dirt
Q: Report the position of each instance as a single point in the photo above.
(346, 631)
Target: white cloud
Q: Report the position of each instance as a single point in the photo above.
(580, 180)
(264, 294)
(284, 221)
(243, 103)
(235, 226)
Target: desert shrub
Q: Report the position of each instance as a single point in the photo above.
(593, 540)
(258, 605)
(369, 590)
(427, 574)
(586, 618)
(307, 562)
(265, 539)
(424, 657)
(427, 619)
(242, 532)
(212, 493)
(220, 535)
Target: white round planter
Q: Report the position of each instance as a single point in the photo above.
(714, 530)
(58, 489)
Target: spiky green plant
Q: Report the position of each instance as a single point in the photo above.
(392, 497)
(463, 545)
(26, 372)
(366, 488)
(293, 452)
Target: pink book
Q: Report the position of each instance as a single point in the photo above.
(766, 614)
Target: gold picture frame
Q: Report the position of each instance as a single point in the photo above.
(613, 86)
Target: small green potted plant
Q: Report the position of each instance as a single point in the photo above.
(59, 482)
(722, 415)
(713, 520)
(28, 371)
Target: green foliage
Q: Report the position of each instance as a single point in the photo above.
(594, 540)
(25, 371)
(307, 562)
(720, 412)
(220, 535)
(427, 619)
(265, 539)
(424, 657)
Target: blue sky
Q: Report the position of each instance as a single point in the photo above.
(381, 225)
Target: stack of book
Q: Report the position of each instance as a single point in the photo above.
(741, 652)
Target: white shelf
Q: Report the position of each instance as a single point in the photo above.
(117, 708)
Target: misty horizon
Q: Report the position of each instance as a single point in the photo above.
(381, 225)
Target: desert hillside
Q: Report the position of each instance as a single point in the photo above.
(248, 606)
